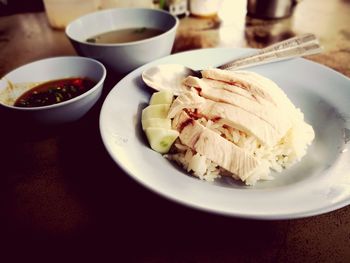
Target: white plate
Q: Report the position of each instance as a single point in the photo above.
(319, 183)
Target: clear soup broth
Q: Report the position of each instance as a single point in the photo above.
(125, 35)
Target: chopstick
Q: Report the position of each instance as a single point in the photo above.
(299, 46)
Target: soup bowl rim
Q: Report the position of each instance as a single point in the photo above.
(166, 32)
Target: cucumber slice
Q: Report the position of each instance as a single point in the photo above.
(156, 123)
(161, 139)
(155, 111)
(161, 97)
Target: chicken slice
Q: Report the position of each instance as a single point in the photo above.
(265, 111)
(238, 80)
(221, 85)
(256, 84)
(228, 114)
(187, 99)
(214, 147)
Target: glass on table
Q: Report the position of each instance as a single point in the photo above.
(105, 4)
(61, 12)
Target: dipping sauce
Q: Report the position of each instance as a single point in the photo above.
(55, 91)
(125, 35)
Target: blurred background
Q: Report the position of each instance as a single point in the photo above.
(237, 23)
(8, 7)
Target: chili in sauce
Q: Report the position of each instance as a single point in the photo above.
(55, 91)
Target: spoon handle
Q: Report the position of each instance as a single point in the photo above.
(290, 48)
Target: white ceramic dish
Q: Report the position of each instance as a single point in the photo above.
(46, 70)
(123, 57)
(319, 183)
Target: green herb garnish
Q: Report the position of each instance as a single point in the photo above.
(91, 40)
(139, 30)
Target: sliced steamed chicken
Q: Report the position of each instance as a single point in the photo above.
(214, 147)
(226, 114)
(240, 121)
(261, 108)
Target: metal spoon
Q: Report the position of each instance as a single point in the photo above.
(171, 75)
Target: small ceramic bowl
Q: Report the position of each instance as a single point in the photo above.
(124, 57)
(24, 78)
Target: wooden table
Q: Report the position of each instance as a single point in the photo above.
(63, 198)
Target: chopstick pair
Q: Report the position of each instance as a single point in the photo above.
(306, 44)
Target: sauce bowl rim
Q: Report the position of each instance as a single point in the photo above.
(98, 84)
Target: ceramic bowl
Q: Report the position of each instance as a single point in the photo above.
(123, 57)
(29, 75)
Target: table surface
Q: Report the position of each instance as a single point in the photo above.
(61, 194)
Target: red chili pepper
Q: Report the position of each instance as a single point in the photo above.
(79, 83)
